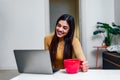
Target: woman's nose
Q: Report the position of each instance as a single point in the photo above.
(60, 29)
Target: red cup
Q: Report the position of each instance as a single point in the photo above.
(72, 65)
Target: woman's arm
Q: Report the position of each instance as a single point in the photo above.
(77, 49)
(47, 41)
(79, 54)
(46, 47)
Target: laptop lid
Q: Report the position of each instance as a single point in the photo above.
(33, 61)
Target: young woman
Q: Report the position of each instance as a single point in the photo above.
(63, 45)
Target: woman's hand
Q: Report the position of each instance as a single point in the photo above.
(84, 66)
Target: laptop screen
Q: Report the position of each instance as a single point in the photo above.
(33, 61)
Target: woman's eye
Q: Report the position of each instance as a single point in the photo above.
(65, 27)
(59, 25)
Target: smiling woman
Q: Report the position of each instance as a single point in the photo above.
(63, 45)
(62, 28)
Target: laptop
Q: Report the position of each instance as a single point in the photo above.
(34, 61)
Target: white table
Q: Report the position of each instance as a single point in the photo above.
(92, 74)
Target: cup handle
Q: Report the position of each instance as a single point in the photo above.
(80, 65)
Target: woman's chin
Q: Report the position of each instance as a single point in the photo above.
(60, 36)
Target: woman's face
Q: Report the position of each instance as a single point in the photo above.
(62, 28)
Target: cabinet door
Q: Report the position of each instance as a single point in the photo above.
(111, 60)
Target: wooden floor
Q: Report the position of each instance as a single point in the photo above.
(8, 74)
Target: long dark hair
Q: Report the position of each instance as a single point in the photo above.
(68, 39)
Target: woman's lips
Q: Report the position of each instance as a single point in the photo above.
(59, 33)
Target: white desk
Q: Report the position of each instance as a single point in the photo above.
(62, 75)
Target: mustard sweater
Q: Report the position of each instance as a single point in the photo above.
(77, 50)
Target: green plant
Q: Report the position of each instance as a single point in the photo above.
(109, 30)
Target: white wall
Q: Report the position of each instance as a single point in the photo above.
(92, 12)
(22, 26)
(117, 12)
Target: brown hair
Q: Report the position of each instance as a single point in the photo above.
(68, 39)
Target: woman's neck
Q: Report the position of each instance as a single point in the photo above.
(61, 39)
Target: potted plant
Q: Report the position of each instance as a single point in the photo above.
(109, 30)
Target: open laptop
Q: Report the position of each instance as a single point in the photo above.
(34, 61)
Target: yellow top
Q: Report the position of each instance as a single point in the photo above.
(77, 50)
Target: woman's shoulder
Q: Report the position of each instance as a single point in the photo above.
(49, 36)
(75, 40)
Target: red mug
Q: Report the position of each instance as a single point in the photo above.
(72, 65)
